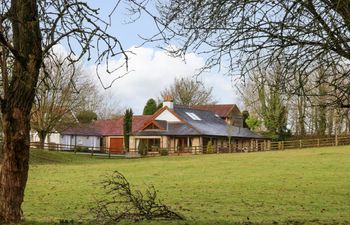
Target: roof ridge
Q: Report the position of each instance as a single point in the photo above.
(223, 104)
(188, 107)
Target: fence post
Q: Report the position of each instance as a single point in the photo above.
(109, 154)
(300, 143)
(318, 142)
(92, 152)
(336, 139)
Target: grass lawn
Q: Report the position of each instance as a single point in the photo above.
(310, 186)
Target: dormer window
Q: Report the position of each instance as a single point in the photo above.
(193, 116)
(152, 126)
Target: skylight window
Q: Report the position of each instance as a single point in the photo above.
(193, 116)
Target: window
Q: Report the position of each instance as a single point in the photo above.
(193, 116)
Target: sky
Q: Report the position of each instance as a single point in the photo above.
(150, 68)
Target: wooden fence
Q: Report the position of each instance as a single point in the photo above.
(106, 151)
(248, 146)
(75, 149)
(310, 143)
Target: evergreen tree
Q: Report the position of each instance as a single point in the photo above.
(160, 105)
(127, 126)
(150, 107)
(142, 148)
(273, 108)
(253, 123)
(245, 115)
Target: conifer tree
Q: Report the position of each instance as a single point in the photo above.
(150, 107)
(127, 125)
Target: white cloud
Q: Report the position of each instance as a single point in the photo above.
(152, 71)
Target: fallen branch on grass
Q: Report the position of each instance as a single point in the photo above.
(127, 204)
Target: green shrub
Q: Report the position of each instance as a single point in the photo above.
(142, 148)
(210, 147)
(163, 152)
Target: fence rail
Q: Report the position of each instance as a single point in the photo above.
(310, 143)
(243, 146)
(76, 149)
(110, 151)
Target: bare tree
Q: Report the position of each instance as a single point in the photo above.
(29, 29)
(108, 106)
(186, 91)
(58, 96)
(235, 34)
(308, 114)
(264, 98)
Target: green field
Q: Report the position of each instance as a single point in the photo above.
(309, 186)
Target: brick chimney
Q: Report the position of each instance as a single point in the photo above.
(168, 101)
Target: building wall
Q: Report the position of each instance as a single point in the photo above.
(237, 144)
(235, 118)
(198, 144)
(70, 141)
(165, 142)
(167, 116)
(50, 138)
(133, 144)
(135, 141)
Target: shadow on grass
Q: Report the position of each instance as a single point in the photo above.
(288, 222)
(192, 222)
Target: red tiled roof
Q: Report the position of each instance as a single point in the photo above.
(139, 121)
(221, 110)
(111, 127)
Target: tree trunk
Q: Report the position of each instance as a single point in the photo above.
(14, 171)
(330, 121)
(301, 116)
(16, 106)
(42, 136)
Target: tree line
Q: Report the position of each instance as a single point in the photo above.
(309, 110)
